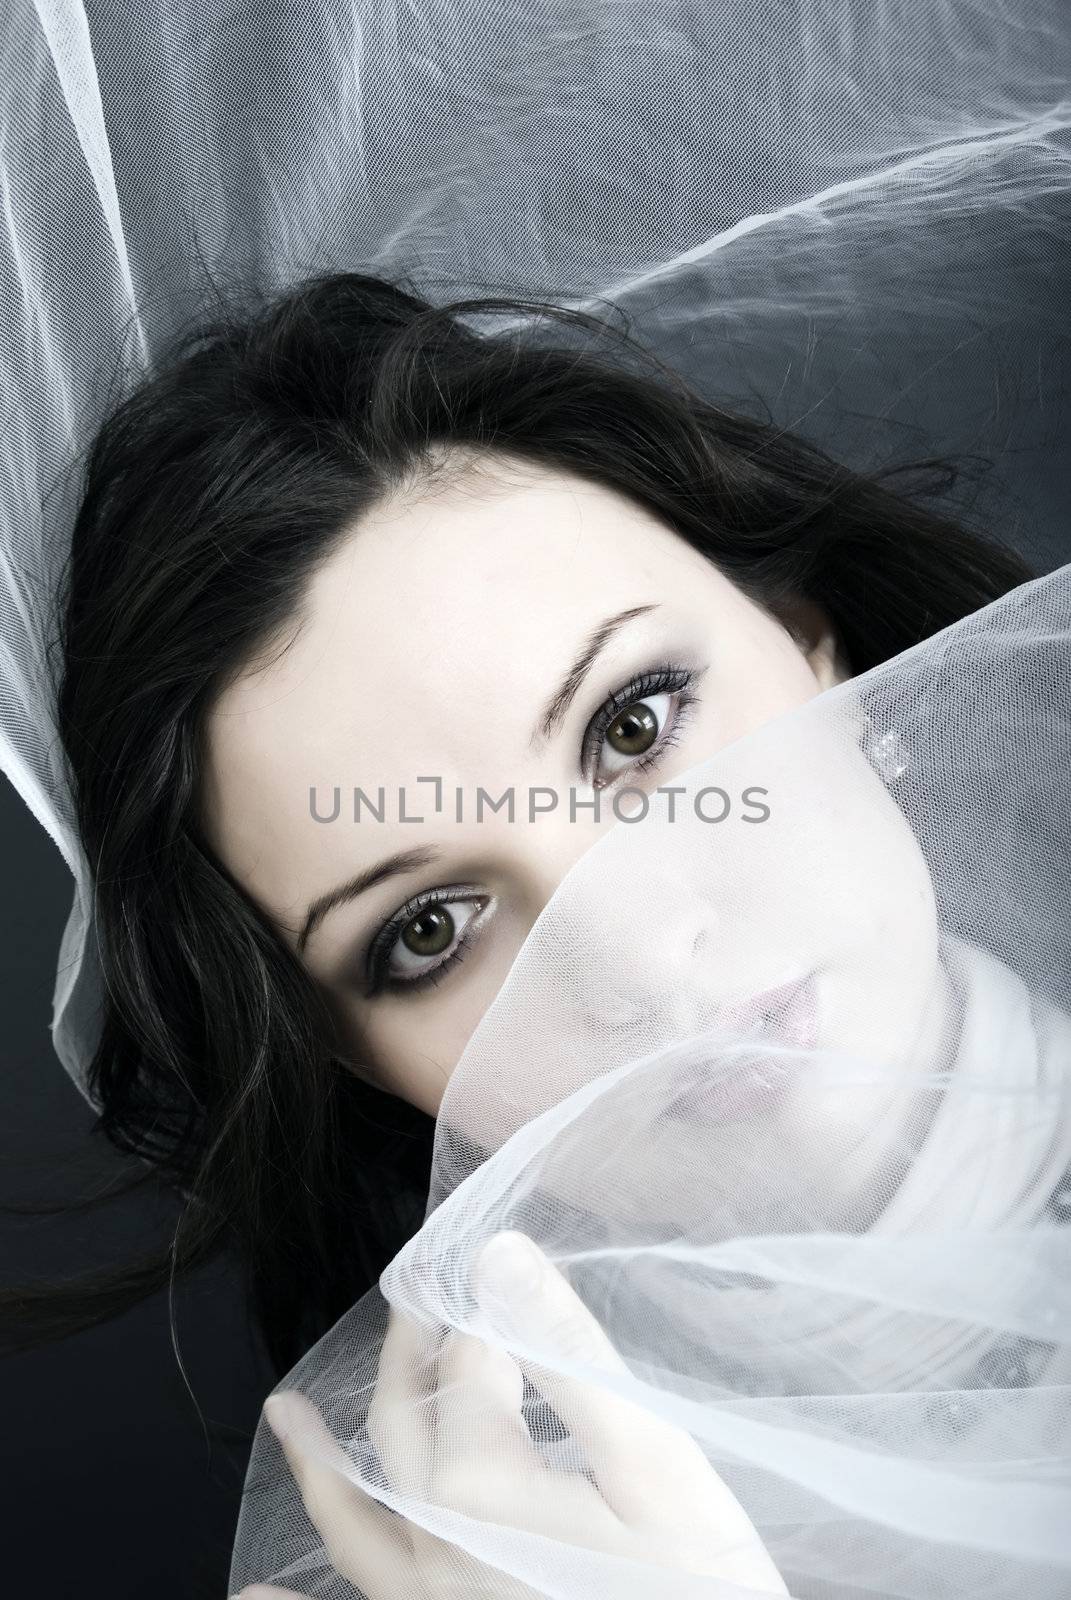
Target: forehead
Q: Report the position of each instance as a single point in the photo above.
(426, 643)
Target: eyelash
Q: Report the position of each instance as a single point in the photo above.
(380, 948)
(664, 679)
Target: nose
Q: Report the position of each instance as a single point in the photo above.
(635, 944)
(663, 956)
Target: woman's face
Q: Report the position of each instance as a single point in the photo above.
(488, 637)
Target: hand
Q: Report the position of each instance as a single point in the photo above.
(657, 1499)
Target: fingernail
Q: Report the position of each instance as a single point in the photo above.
(510, 1265)
(281, 1413)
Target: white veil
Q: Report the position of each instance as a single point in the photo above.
(828, 1241)
(854, 217)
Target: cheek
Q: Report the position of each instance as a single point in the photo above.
(881, 1001)
(833, 883)
(412, 1045)
(883, 901)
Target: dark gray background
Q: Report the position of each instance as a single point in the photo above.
(109, 1491)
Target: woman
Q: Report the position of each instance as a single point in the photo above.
(812, 203)
(251, 461)
(417, 564)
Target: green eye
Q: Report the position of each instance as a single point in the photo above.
(633, 730)
(430, 932)
(421, 948)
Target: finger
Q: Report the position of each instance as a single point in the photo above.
(479, 1421)
(644, 1466)
(401, 1414)
(513, 1269)
(362, 1539)
(519, 1287)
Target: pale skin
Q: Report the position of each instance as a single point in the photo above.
(430, 645)
(431, 642)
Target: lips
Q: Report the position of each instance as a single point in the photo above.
(747, 1082)
(789, 1013)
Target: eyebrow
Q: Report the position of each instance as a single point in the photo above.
(403, 861)
(559, 703)
(549, 723)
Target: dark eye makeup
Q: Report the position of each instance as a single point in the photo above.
(379, 951)
(657, 680)
(664, 679)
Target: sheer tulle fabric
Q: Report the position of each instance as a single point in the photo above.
(840, 1268)
(830, 1242)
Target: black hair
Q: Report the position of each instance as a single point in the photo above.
(211, 493)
